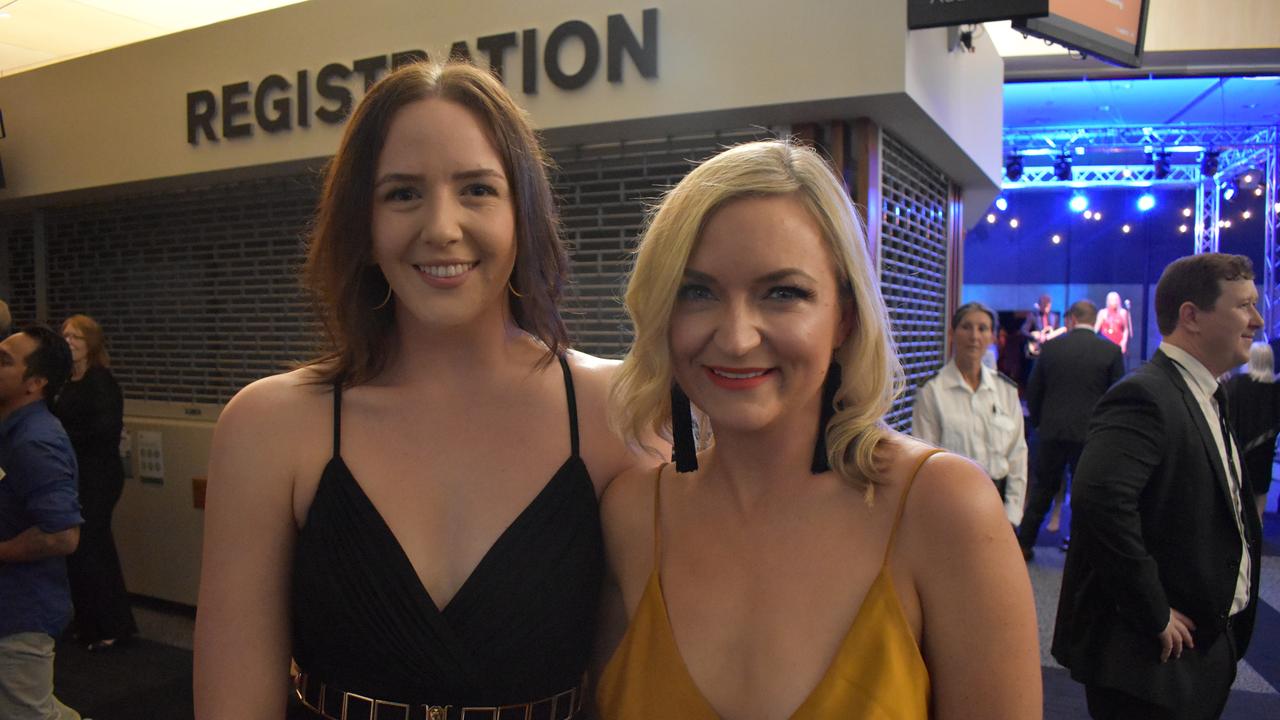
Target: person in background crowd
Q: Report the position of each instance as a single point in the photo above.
(1255, 414)
(39, 522)
(413, 517)
(791, 569)
(1160, 587)
(1072, 373)
(1114, 323)
(974, 411)
(6, 320)
(91, 408)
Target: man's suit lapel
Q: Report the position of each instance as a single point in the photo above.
(1166, 364)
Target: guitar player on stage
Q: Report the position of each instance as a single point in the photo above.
(1041, 326)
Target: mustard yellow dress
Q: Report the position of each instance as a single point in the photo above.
(877, 674)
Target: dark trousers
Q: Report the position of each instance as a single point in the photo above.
(97, 583)
(1055, 456)
(1206, 701)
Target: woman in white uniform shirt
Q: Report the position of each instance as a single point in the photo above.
(973, 410)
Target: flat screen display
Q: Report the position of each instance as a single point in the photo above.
(1108, 29)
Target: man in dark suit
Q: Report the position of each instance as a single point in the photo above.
(1073, 372)
(1160, 587)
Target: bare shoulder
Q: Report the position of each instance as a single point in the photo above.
(606, 455)
(950, 503)
(289, 410)
(278, 402)
(627, 512)
(592, 370)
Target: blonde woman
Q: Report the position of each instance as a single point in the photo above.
(1255, 417)
(811, 562)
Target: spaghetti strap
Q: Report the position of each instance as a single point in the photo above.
(657, 531)
(337, 419)
(902, 502)
(572, 399)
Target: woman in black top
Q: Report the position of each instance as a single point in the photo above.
(413, 517)
(91, 409)
(1254, 409)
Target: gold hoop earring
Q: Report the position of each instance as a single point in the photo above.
(385, 300)
(513, 290)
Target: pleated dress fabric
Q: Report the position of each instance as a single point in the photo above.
(878, 672)
(519, 629)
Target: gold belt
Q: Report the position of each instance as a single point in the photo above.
(325, 700)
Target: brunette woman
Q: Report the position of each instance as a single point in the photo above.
(413, 517)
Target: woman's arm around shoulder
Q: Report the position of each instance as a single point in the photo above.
(606, 455)
(242, 647)
(980, 640)
(626, 512)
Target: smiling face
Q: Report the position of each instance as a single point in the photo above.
(443, 220)
(77, 342)
(972, 336)
(758, 315)
(1227, 330)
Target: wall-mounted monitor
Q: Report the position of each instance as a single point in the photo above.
(1111, 30)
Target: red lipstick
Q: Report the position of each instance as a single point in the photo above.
(738, 378)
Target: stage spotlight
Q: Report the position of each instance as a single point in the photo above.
(1229, 192)
(1088, 214)
(1125, 228)
(1246, 215)
(1186, 212)
(1078, 202)
(1258, 191)
(1163, 165)
(1056, 239)
(1013, 167)
(1014, 223)
(1209, 163)
(1146, 202)
(991, 217)
(1097, 215)
(1062, 168)
(1182, 228)
(1002, 204)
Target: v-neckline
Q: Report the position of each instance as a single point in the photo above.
(402, 557)
(655, 584)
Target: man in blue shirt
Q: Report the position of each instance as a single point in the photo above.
(39, 522)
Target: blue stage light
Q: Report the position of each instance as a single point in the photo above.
(1078, 203)
(1146, 202)
(1002, 204)
(1230, 191)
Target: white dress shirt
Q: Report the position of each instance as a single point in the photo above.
(1203, 384)
(984, 424)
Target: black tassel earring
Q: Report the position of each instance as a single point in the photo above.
(829, 389)
(684, 451)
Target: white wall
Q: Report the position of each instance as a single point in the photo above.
(120, 116)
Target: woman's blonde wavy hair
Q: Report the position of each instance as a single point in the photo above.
(640, 396)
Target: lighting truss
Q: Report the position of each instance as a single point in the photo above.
(1042, 177)
(1241, 147)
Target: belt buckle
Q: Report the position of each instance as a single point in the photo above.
(379, 704)
(569, 704)
(346, 701)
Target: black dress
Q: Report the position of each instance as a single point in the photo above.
(520, 628)
(1254, 410)
(92, 411)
